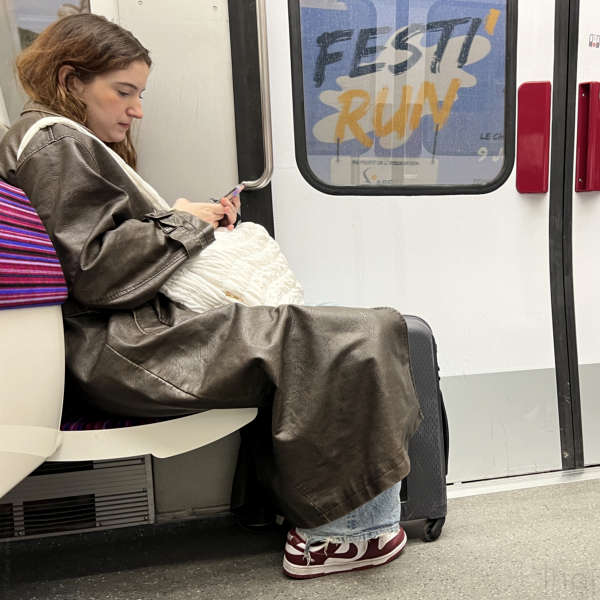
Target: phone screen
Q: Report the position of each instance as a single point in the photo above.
(235, 191)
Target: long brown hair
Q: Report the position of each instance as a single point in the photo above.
(92, 45)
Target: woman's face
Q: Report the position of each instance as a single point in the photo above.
(114, 100)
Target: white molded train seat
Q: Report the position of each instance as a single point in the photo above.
(32, 375)
(162, 439)
(32, 367)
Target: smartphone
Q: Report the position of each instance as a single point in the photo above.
(235, 191)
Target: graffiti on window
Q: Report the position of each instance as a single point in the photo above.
(401, 92)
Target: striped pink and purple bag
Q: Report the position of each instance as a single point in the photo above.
(30, 273)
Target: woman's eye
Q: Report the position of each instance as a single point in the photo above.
(122, 94)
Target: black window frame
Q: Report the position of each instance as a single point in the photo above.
(389, 190)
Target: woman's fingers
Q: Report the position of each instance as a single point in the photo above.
(209, 212)
(235, 200)
(230, 211)
(222, 213)
(219, 215)
(182, 204)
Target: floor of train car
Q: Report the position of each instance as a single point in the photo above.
(540, 542)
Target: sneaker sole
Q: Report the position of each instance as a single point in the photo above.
(308, 572)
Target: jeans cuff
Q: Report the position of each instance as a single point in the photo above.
(315, 536)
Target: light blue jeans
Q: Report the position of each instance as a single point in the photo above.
(378, 516)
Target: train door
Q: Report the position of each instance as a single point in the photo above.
(394, 135)
(394, 143)
(586, 224)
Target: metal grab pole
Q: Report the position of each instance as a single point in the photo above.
(265, 99)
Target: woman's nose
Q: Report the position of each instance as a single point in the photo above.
(135, 110)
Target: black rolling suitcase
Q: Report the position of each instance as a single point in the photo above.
(424, 490)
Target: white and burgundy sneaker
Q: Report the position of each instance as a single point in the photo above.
(325, 558)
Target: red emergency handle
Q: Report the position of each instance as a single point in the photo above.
(587, 169)
(533, 137)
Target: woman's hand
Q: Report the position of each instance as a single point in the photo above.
(217, 213)
(232, 201)
(234, 197)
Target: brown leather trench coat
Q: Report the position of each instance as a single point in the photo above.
(335, 383)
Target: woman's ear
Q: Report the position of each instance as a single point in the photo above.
(68, 80)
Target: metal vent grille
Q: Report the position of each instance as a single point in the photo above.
(62, 467)
(67, 497)
(59, 514)
(7, 522)
(122, 509)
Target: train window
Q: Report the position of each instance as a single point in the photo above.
(404, 96)
(32, 16)
(24, 20)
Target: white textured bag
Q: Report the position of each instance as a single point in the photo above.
(245, 265)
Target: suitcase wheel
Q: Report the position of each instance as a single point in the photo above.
(433, 529)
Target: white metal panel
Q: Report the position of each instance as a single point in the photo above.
(586, 250)
(500, 425)
(475, 267)
(106, 8)
(186, 141)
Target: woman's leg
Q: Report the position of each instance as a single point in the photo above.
(366, 537)
(380, 515)
(334, 382)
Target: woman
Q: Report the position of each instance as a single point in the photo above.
(333, 384)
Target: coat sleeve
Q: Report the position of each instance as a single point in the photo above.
(112, 258)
